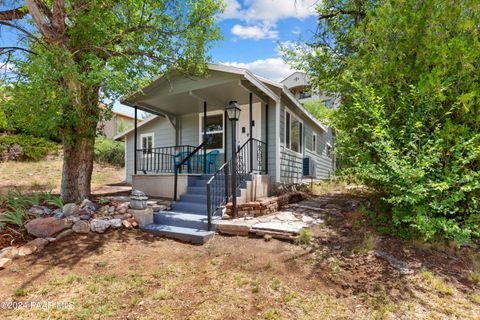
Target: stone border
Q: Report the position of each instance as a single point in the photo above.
(264, 206)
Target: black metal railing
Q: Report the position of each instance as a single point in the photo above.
(193, 162)
(251, 158)
(161, 159)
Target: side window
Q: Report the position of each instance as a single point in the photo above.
(146, 142)
(314, 142)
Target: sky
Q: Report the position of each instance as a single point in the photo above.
(252, 31)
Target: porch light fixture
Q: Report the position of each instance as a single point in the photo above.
(233, 111)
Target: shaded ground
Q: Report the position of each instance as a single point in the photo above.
(133, 275)
(46, 175)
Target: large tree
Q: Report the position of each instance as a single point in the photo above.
(409, 122)
(71, 54)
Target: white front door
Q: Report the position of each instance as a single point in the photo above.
(243, 128)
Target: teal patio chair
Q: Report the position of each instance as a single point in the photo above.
(211, 160)
(178, 158)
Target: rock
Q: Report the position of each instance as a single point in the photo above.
(89, 205)
(40, 243)
(85, 214)
(81, 227)
(5, 262)
(111, 209)
(127, 224)
(118, 216)
(58, 214)
(71, 209)
(9, 252)
(63, 234)
(267, 237)
(51, 239)
(134, 224)
(115, 223)
(27, 249)
(39, 211)
(128, 215)
(122, 210)
(394, 262)
(99, 226)
(46, 227)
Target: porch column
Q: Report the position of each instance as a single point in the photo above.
(135, 143)
(266, 138)
(204, 137)
(225, 121)
(251, 130)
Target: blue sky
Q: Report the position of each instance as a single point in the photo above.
(252, 31)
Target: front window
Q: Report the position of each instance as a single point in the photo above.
(293, 132)
(214, 131)
(146, 143)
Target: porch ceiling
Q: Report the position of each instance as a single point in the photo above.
(183, 95)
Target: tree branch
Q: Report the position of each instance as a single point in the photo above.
(4, 50)
(17, 13)
(10, 24)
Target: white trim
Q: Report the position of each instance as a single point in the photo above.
(278, 109)
(302, 142)
(200, 131)
(314, 145)
(123, 134)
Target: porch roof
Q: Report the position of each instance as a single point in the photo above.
(178, 94)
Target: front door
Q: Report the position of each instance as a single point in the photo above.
(243, 128)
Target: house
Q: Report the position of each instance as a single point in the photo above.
(300, 85)
(184, 151)
(115, 125)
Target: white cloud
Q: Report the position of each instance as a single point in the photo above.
(261, 16)
(269, 10)
(254, 32)
(270, 68)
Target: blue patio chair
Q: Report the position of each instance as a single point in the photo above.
(178, 158)
(211, 160)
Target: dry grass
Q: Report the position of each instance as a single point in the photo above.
(46, 175)
(133, 275)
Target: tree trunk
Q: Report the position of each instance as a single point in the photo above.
(79, 141)
(77, 168)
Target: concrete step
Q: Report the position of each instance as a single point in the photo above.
(184, 220)
(190, 235)
(190, 207)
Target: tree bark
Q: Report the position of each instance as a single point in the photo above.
(77, 169)
(78, 142)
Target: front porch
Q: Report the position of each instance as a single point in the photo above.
(192, 153)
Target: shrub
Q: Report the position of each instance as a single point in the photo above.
(24, 147)
(109, 151)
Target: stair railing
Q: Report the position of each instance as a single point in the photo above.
(193, 165)
(251, 157)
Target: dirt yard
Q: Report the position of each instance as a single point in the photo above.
(46, 175)
(133, 275)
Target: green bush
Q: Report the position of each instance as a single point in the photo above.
(24, 147)
(425, 171)
(109, 151)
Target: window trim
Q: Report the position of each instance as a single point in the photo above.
(146, 135)
(200, 131)
(301, 141)
(327, 153)
(314, 142)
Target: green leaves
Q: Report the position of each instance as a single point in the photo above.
(409, 122)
